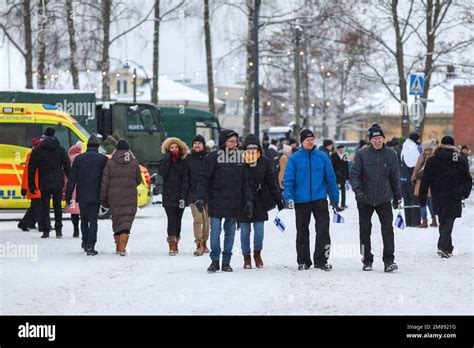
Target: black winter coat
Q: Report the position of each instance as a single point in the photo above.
(52, 163)
(86, 175)
(175, 181)
(341, 167)
(195, 162)
(223, 185)
(263, 186)
(447, 175)
(375, 176)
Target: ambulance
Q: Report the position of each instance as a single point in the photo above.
(19, 124)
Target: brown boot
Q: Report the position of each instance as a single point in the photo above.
(434, 223)
(424, 223)
(59, 232)
(178, 238)
(116, 239)
(204, 247)
(258, 259)
(199, 250)
(123, 240)
(173, 245)
(247, 262)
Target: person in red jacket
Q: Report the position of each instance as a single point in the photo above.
(32, 214)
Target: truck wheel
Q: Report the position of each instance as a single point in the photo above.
(104, 213)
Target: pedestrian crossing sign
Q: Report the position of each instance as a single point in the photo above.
(417, 83)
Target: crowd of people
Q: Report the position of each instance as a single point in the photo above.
(240, 181)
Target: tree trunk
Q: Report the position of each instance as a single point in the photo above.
(402, 82)
(72, 44)
(105, 64)
(306, 86)
(42, 20)
(250, 71)
(210, 79)
(28, 44)
(156, 54)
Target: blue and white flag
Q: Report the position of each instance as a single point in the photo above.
(399, 222)
(279, 224)
(337, 218)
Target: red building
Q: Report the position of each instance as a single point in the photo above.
(463, 117)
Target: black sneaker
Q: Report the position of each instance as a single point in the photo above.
(367, 267)
(92, 252)
(226, 267)
(390, 267)
(327, 267)
(444, 254)
(303, 266)
(214, 267)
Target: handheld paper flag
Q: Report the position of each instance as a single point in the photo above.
(338, 219)
(399, 222)
(279, 224)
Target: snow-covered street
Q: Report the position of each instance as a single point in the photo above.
(58, 278)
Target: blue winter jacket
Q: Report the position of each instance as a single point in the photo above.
(307, 175)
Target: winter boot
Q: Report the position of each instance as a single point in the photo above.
(178, 238)
(258, 258)
(226, 267)
(199, 250)
(117, 243)
(367, 266)
(123, 240)
(45, 235)
(424, 224)
(59, 233)
(327, 267)
(214, 267)
(391, 267)
(173, 245)
(444, 254)
(84, 247)
(23, 227)
(204, 247)
(434, 223)
(247, 262)
(91, 251)
(303, 266)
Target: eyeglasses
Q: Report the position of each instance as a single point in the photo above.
(231, 141)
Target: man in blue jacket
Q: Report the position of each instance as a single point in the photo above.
(308, 176)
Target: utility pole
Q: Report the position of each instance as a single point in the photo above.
(256, 105)
(298, 33)
(134, 85)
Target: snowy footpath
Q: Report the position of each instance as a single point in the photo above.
(54, 276)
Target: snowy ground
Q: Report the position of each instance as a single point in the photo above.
(58, 278)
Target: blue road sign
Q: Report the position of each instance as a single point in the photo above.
(417, 83)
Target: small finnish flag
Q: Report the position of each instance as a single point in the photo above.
(279, 224)
(338, 219)
(399, 222)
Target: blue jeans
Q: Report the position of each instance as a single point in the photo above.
(245, 236)
(229, 233)
(424, 212)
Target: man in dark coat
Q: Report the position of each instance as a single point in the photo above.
(327, 147)
(375, 179)
(341, 169)
(86, 176)
(265, 195)
(446, 174)
(52, 162)
(195, 163)
(223, 186)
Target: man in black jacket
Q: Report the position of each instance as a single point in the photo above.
(375, 179)
(195, 163)
(86, 177)
(446, 173)
(341, 169)
(52, 163)
(223, 186)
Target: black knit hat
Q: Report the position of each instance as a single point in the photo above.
(252, 139)
(293, 141)
(306, 133)
(226, 134)
(327, 142)
(375, 131)
(447, 140)
(93, 141)
(200, 139)
(122, 144)
(49, 132)
(414, 136)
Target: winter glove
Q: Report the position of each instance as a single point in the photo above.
(68, 200)
(182, 203)
(281, 205)
(24, 192)
(32, 190)
(167, 157)
(290, 205)
(200, 205)
(336, 207)
(248, 209)
(361, 197)
(397, 204)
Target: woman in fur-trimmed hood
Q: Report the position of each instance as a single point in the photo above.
(446, 173)
(173, 169)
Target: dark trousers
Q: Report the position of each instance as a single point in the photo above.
(174, 214)
(445, 241)
(89, 216)
(320, 211)
(342, 188)
(32, 215)
(384, 211)
(44, 223)
(412, 215)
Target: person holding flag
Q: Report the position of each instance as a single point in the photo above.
(308, 176)
(375, 179)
